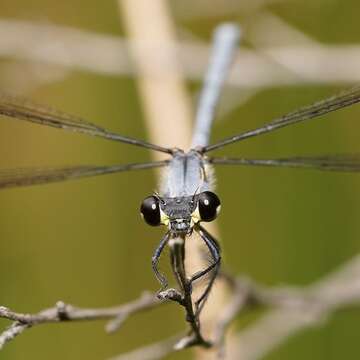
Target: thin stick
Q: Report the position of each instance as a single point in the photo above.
(72, 48)
(296, 309)
(177, 247)
(67, 313)
(225, 41)
(151, 352)
(167, 106)
(291, 310)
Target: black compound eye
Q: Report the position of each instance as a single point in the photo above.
(150, 210)
(209, 206)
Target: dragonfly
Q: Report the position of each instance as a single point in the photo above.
(186, 198)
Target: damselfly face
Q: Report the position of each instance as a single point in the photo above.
(180, 214)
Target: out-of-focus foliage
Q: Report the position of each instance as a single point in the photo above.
(84, 242)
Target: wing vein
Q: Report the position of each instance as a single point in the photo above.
(33, 176)
(341, 163)
(344, 99)
(20, 109)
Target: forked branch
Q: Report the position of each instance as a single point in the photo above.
(291, 309)
(62, 312)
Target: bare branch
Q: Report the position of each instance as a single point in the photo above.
(291, 310)
(177, 248)
(11, 332)
(65, 312)
(200, 9)
(151, 352)
(241, 293)
(299, 308)
(282, 65)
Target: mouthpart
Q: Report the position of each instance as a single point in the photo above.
(183, 226)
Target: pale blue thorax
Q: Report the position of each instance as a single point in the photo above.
(187, 174)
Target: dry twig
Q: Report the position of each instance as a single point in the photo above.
(62, 312)
(76, 49)
(291, 309)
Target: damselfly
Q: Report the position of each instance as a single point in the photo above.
(186, 197)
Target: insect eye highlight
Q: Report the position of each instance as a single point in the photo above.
(150, 211)
(209, 206)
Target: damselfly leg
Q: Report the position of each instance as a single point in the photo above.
(213, 268)
(155, 260)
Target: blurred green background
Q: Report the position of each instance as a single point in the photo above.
(83, 241)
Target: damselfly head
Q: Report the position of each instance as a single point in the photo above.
(180, 214)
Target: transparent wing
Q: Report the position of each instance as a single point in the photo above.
(346, 163)
(344, 99)
(33, 176)
(22, 109)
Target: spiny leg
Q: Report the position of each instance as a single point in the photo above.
(177, 258)
(155, 261)
(214, 249)
(215, 254)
